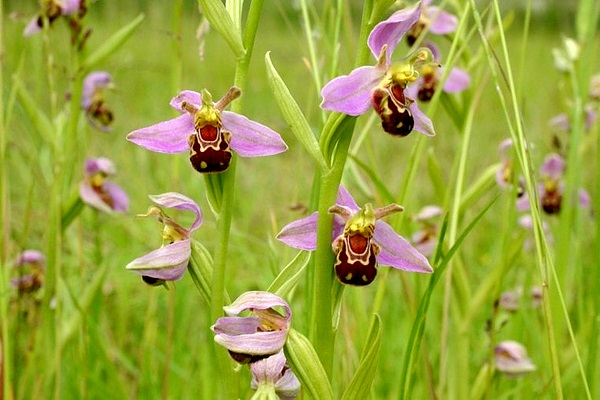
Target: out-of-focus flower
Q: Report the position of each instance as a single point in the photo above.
(273, 374)
(361, 241)
(427, 83)
(551, 187)
(382, 86)
(434, 19)
(209, 133)
(511, 359)
(536, 296)
(92, 100)
(51, 9)
(260, 334)
(425, 239)
(169, 262)
(562, 122)
(97, 191)
(30, 266)
(511, 299)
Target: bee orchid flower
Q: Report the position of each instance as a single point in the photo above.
(209, 132)
(360, 241)
(170, 261)
(383, 86)
(260, 334)
(99, 192)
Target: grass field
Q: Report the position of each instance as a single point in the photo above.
(93, 329)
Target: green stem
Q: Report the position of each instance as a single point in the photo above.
(322, 334)
(228, 197)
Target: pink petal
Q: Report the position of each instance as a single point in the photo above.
(422, 123)
(458, 80)
(345, 199)
(257, 300)
(30, 257)
(301, 234)
(102, 164)
(167, 263)
(553, 166)
(396, 252)
(189, 96)
(93, 81)
(351, 94)
(391, 31)
(69, 7)
(32, 27)
(258, 343)
(250, 138)
(90, 197)
(165, 137)
(179, 202)
(442, 22)
(119, 197)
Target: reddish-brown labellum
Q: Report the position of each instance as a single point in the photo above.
(393, 108)
(427, 87)
(551, 201)
(209, 149)
(355, 262)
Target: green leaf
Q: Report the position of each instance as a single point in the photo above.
(304, 361)
(201, 270)
(221, 21)
(287, 279)
(361, 382)
(416, 333)
(43, 125)
(111, 45)
(293, 116)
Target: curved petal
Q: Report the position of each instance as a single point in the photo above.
(345, 199)
(90, 197)
(101, 164)
(351, 94)
(189, 96)
(268, 369)
(301, 234)
(412, 90)
(250, 138)
(442, 22)
(167, 263)
(93, 81)
(257, 300)
(179, 202)
(396, 252)
(32, 27)
(391, 31)
(236, 325)
(458, 80)
(585, 201)
(165, 137)
(119, 198)
(553, 166)
(422, 123)
(258, 343)
(288, 386)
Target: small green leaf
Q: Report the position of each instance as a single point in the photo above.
(111, 45)
(221, 21)
(287, 279)
(293, 116)
(361, 382)
(304, 361)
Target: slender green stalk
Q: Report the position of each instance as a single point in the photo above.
(6, 350)
(228, 194)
